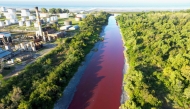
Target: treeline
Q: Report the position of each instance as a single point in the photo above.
(54, 10)
(158, 52)
(41, 84)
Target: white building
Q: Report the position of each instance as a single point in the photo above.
(42, 15)
(64, 15)
(25, 12)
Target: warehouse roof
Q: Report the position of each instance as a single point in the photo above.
(4, 53)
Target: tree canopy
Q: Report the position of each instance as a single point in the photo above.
(41, 83)
(158, 53)
(44, 10)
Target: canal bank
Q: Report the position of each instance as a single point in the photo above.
(100, 86)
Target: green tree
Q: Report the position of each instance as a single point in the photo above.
(58, 10)
(52, 11)
(44, 10)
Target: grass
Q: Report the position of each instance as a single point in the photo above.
(6, 72)
(61, 21)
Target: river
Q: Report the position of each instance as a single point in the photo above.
(101, 84)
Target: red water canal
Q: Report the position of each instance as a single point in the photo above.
(101, 84)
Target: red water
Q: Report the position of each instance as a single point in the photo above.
(100, 86)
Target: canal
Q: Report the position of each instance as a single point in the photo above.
(101, 84)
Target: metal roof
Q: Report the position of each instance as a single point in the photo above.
(4, 53)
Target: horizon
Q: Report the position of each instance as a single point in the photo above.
(98, 3)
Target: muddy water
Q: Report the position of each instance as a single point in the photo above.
(101, 84)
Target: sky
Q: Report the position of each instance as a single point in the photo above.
(99, 2)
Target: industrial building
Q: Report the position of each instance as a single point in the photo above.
(4, 54)
(64, 15)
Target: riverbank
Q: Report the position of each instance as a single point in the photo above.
(124, 95)
(69, 92)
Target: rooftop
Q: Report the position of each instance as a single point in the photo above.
(4, 53)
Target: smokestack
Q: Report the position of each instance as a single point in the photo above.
(39, 23)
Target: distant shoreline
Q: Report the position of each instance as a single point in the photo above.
(108, 9)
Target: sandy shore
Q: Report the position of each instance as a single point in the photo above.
(68, 93)
(124, 95)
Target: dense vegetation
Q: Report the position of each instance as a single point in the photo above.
(158, 52)
(54, 10)
(41, 84)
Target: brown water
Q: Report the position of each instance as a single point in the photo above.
(101, 84)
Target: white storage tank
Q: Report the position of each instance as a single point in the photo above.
(13, 21)
(3, 9)
(52, 18)
(20, 23)
(23, 46)
(7, 22)
(27, 23)
(82, 16)
(11, 10)
(35, 24)
(25, 12)
(23, 19)
(32, 18)
(77, 19)
(67, 22)
(64, 15)
(44, 15)
(48, 19)
(2, 23)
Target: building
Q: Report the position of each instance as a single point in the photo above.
(5, 54)
(42, 15)
(64, 15)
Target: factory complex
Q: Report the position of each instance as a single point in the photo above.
(41, 27)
